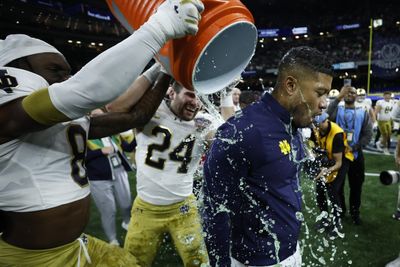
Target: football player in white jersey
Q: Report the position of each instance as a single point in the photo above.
(384, 108)
(168, 152)
(44, 193)
(365, 103)
(333, 94)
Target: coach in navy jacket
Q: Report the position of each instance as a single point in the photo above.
(252, 198)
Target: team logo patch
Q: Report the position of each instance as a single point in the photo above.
(285, 147)
(184, 209)
(85, 240)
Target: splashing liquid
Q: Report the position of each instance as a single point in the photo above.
(309, 241)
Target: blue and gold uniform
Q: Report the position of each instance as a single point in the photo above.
(252, 197)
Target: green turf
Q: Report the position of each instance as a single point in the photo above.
(374, 243)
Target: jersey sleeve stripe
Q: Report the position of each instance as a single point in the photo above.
(45, 113)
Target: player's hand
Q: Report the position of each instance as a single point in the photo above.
(344, 91)
(107, 150)
(178, 18)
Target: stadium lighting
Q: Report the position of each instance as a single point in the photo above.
(100, 44)
(377, 23)
(305, 35)
(321, 33)
(283, 38)
(275, 39)
(70, 41)
(92, 43)
(78, 42)
(397, 22)
(297, 37)
(397, 69)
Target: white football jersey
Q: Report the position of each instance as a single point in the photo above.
(167, 154)
(385, 113)
(366, 104)
(43, 169)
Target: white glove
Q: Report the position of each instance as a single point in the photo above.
(226, 93)
(177, 18)
(226, 98)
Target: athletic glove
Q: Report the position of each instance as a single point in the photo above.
(177, 18)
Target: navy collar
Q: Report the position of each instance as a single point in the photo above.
(276, 108)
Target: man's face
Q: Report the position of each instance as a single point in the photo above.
(387, 97)
(360, 98)
(236, 95)
(310, 97)
(51, 66)
(323, 126)
(351, 96)
(185, 104)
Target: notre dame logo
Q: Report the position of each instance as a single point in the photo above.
(285, 147)
(7, 82)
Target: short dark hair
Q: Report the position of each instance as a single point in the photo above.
(306, 57)
(248, 96)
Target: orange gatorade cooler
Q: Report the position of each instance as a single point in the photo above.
(215, 56)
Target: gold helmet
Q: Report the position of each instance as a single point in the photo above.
(333, 93)
(361, 91)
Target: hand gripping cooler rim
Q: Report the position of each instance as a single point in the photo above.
(218, 16)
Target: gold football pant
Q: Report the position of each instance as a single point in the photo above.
(181, 220)
(86, 251)
(385, 127)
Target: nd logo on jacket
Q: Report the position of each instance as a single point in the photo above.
(285, 147)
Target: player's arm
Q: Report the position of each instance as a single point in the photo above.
(378, 108)
(365, 134)
(105, 77)
(130, 97)
(115, 122)
(332, 109)
(372, 115)
(14, 121)
(396, 112)
(227, 106)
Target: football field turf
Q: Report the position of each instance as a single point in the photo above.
(374, 243)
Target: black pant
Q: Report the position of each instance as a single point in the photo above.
(333, 190)
(356, 177)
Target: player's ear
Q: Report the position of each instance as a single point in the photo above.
(290, 85)
(171, 93)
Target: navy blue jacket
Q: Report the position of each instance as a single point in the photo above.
(98, 166)
(252, 200)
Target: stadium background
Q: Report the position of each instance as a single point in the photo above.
(81, 29)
